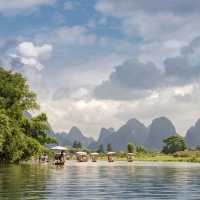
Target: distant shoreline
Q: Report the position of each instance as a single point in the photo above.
(138, 158)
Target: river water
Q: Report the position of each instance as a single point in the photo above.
(101, 180)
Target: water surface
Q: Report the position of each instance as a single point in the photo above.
(101, 180)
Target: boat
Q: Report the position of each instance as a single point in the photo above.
(94, 156)
(81, 156)
(130, 157)
(110, 156)
(59, 158)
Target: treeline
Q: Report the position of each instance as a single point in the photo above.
(20, 137)
(171, 145)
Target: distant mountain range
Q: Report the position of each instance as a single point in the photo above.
(74, 135)
(133, 131)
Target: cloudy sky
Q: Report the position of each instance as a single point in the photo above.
(98, 63)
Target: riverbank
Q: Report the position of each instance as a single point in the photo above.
(181, 156)
(185, 156)
(191, 156)
(157, 158)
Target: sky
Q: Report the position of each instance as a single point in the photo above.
(99, 63)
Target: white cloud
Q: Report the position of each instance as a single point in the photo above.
(150, 32)
(72, 93)
(74, 35)
(28, 59)
(90, 115)
(70, 5)
(29, 50)
(17, 6)
(33, 63)
(121, 8)
(157, 21)
(30, 54)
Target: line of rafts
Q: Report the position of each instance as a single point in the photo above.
(82, 156)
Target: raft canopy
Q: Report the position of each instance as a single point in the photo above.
(60, 148)
(111, 153)
(81, 153)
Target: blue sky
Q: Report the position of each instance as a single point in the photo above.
(98, 63)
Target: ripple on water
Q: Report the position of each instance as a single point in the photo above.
(101, 180)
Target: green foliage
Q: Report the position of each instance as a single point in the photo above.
(15, 95)
(77, 145)
(37, 128)
(187, 154)
(174, 144)
(140, 149)
(130, 148)
(20, 137)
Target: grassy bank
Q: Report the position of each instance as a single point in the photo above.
(184, 156)
(166, 158)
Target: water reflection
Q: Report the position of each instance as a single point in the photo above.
(100, 181)
(23, 181)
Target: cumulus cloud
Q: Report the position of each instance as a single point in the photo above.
(31, 55)
(28, 58)
(159, 20)
(28, 49)
(137, 71)
(16, 6)
(134, 79)
(131, 80)
(159, 81)
(186, 67)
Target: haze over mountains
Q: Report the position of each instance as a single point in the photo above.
(133, 131)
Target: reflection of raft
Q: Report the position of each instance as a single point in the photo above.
(59, 163)
(110, 158)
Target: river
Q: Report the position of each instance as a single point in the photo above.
(101, 180)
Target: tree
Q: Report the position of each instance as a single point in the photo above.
(174, 144)
(77, 145)
(15, 94)
(15, 145)
(109, 147)
(74, 144)
(100, 149)
(141, 149)
(130, 148)
(20, 137)
(38, 127)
